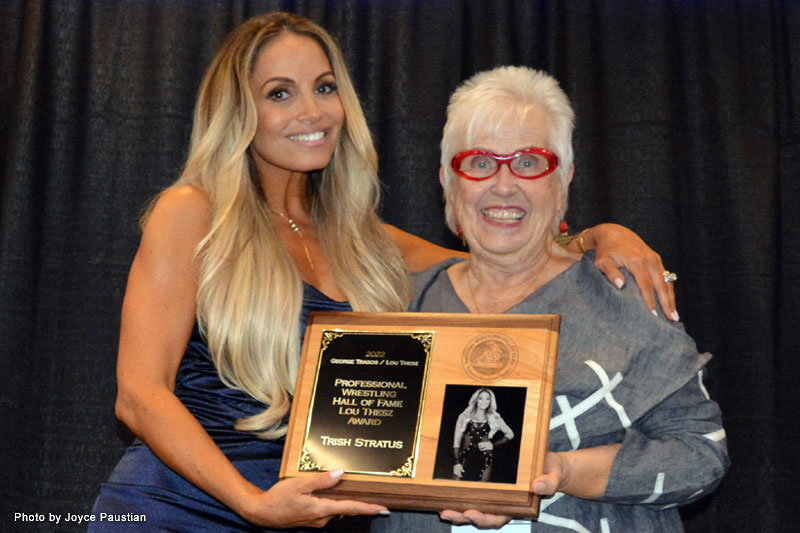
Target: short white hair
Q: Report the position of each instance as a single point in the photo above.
(493, 99)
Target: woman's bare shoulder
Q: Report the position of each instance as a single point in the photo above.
(184, 209)
(184, 201)
(177, 222)
(418, 253)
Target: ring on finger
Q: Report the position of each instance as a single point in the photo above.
(669, 276)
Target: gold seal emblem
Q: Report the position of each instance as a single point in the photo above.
(490, 357)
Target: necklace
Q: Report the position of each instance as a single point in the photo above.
(296, 229)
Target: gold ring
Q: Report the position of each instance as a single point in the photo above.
(669, 276)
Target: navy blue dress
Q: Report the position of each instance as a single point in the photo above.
(143, 493)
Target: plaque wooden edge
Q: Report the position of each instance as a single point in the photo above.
(516, 503)
(411, 494)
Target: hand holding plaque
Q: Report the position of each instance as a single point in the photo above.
(425, 411)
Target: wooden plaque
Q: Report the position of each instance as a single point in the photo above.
(380, 395)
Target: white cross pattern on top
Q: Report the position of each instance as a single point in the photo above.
(569, 413)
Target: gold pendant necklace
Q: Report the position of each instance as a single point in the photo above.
(296, 229)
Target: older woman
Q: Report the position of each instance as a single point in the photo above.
(633, 433)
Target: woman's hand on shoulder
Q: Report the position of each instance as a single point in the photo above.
(291, 503)
(616, 247)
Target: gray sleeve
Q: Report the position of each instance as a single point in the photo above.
(674, 454)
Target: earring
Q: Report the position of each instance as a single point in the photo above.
(563, 238)
(461, 235)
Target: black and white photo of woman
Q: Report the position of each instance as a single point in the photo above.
(479, 430)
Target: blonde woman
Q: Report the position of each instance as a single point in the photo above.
(274, 216)
(474, 438)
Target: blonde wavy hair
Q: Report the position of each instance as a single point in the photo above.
(472, 405)
(250, 293)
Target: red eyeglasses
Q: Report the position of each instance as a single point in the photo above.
(528, 163)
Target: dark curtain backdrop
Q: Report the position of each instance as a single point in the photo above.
(688, 132)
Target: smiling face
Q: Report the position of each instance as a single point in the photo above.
(483, 401)
(300, 115)
(505, 216)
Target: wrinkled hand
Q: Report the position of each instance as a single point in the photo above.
(485, 445)
(617, 246)
(555, 469)
(475, 517)
(458, 470)
(555, 475)
(290, 503)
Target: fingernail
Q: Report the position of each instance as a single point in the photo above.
(539, 487)
(619, 283)
(337, 473)
(675, 316)
(654, 313)
(385, 512)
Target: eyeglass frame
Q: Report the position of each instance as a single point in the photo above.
(505, 159)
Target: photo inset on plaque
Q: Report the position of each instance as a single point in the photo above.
(479, 433)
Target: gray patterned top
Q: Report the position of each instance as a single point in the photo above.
(625, 376)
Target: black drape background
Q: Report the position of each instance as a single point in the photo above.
(688, 132)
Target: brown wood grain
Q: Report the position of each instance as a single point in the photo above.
(536, 338)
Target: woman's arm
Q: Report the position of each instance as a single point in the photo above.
(458, 468)
(418, 253)
(158, 314)
(497, 423)
(157, 319)
(616, 247)
(582, 473)
(461, 425)
(502, 426)
(674, 455)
